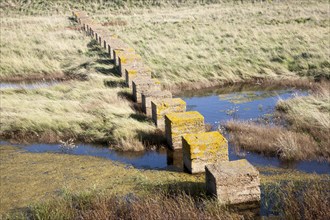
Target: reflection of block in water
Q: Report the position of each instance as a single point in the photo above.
(143, 84)
(202, 149)
(233, 182)
(149, 96)
(174, 158)
(160, 108)
(181, 123)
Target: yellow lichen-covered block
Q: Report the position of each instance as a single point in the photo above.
(134, 70)
(233, 182)
(141, 85)
(160, 108)
(120, 50)
(182, 123)
(202, 149)
(126, 59)
(149, 96)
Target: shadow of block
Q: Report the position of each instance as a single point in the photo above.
(115, 83)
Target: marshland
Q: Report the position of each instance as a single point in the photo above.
(74, 145)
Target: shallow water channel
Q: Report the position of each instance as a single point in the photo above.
(218, 106)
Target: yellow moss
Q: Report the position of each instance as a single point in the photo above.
(131, 72)
(210, 143)
(183, 117)
(127, 57)
(170, 103)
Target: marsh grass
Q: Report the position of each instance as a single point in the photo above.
(59, 186)
(87, 110)
(310, 114)
(274, 141)
(298, 200)
(209, 45)
(28, 178)
(35, 48)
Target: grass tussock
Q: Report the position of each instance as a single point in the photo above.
(310, 114)
(159, 206)
(82, 111)
(273, 140)
(287, 200)
(306, 199)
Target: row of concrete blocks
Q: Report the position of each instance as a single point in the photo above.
(232, 182)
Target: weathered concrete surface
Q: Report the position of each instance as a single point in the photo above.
(202, 149)
(134, 70)
(120, 50)
(114, 43)
(143, 84)
(233, 182)
(149, 96)
(126, 59)
(180, 124)
(160, 108)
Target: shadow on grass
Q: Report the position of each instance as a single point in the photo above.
(126, 95)
(115, 83)
(194, 189)
(108, 70)
(95, 49)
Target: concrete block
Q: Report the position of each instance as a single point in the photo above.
(149, 96)
(126, 59)
(120, 50)
(134, 70)
(160, 108)
(143, 84)
(113, 44)
(180, 124)
(203, 149)
(233, 182)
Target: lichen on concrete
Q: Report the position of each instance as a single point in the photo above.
(143, 84)
(162, 107)
(181, 123)
(149, 96)
(202, 149)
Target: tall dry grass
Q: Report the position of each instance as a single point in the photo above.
(230, 42)
(274, 141)
(39, 48)
(88, 109)
(310, 114)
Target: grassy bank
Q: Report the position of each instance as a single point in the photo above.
(97, 188)
(227, 42)
(90, 107)
(36, 48)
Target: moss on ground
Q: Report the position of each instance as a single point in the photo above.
(30, 178)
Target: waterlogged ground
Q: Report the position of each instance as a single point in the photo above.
(217, 106)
